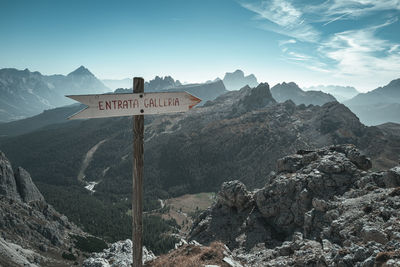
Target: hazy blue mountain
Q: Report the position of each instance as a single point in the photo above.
(236, 80)
(285, 91)
(115, 84)
(24, 93)
(378, 106)
(389, 93)
(341, 93)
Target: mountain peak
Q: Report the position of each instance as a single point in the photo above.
(81, 71)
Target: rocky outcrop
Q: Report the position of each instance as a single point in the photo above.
(28, 225)
(25, 186)
(19, 185)
(8, 186)
(119, 254)
(321, 208)
(256, 98)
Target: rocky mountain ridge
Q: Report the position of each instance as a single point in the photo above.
(291, 91)
(321, 208)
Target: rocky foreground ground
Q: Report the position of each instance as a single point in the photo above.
(321, 208)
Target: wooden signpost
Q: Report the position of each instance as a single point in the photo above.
(136, 104)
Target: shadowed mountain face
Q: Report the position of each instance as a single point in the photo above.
(236, 80)
(25, 93)
(291, 91)
(378, 106)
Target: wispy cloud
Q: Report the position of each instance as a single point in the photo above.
(362, 53)
(358, 50)
(283, 18)
(285, 42)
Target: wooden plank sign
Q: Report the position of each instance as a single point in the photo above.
(115, 105)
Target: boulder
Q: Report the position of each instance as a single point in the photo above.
(234, 194)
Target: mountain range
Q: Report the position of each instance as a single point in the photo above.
(379, 105)
(341, 93)
(239, 135)
(291, 91)
(25, 93)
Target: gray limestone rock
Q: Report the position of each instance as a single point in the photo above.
(8, 186)
(234, 195)
(26, 188)
(322, 208)
(119, 254)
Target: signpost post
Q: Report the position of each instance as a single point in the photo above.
(137, 104)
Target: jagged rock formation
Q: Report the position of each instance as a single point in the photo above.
(119, 254)
(291, 91)
(236, 80)
(321, 208)
(29, 226)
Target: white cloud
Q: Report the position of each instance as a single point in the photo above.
(356, 54)
(357, 8)
(361, 53)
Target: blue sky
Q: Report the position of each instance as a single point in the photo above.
(343, 42)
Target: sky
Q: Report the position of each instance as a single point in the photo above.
(310, 42)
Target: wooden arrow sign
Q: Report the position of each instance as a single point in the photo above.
(113, 105)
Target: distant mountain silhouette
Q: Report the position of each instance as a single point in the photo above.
(291, 91)
(159, 83)
(378, 106)
(389, 93)
(24, 93)
(341, 93)
(236, 80)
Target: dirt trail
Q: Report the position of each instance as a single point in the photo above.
(87, 159)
